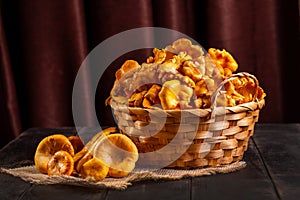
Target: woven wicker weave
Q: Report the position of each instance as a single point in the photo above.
(219, 136)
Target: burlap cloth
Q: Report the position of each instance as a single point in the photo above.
(30, 174)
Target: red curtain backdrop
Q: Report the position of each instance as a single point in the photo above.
(43, 43)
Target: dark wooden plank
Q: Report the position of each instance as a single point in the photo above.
(12, 187)
(279, 145)
(179, 189)
(63, 192)
(251, 182)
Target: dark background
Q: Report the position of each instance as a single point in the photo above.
(43, 43)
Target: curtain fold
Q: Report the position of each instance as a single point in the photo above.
(43, 44)
(53, 45)
(9, 107)
(107, 18)
(289, 30)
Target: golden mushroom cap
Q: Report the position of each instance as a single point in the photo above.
(119, 152)
(48, 147)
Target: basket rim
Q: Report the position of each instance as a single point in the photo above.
(249, 106)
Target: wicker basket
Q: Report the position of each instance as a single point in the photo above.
(207, 137)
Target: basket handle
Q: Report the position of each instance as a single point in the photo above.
(232, 77)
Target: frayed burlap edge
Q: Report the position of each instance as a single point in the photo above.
(30, 174)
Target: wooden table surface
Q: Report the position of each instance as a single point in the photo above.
(272, 172)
